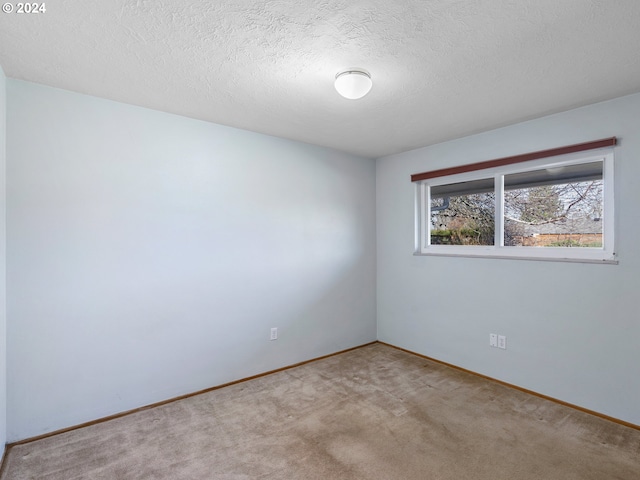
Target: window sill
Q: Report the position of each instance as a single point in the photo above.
(599, 261)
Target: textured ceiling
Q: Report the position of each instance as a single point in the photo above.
(442, 69)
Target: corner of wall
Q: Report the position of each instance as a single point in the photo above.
(3, 302)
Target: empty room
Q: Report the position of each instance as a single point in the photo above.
(311, 240)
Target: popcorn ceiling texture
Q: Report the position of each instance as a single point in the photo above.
(441, 68)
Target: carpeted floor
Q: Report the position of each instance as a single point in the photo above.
(372, 413)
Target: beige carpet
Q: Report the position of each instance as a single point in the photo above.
(372, 413)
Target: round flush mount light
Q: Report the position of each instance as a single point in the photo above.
(353, 83)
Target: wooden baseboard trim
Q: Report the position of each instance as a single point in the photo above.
(530, 392)
(264, 374)
(175, 399)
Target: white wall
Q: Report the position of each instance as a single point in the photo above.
(3, 268)
(148, 255)
(573, 330)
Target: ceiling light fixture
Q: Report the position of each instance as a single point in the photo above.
(353, 83)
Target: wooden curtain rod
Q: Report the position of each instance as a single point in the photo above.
(524, 157)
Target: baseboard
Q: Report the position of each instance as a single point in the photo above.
(210, 389)
(530, 392)
(175, 399)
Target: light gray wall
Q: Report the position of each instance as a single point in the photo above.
(3, 267)
(573, 330)
(149, 255)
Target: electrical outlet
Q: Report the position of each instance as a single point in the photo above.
(274, 333)
(502, 342)
(493, 340)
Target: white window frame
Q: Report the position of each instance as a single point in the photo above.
(605, 254)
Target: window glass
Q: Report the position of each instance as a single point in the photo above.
(463, 213)
(555, 207)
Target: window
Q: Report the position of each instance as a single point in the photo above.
(463, 213)
(556, 207)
